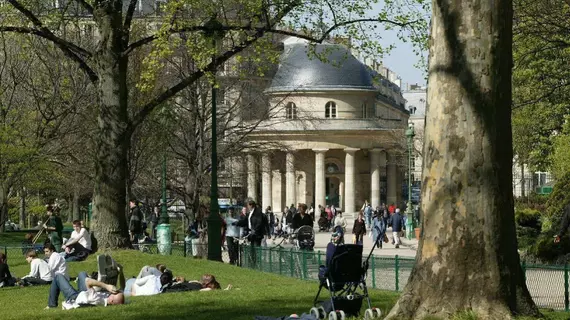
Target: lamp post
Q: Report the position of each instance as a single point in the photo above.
(409, 211)
(214, 32)
(164, 218)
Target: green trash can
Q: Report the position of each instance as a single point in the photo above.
(163, 238)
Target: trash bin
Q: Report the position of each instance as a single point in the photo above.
(163, 238)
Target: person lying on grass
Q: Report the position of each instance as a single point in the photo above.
(40, 273)
(87, 293)
(147, 283)
(207, 283)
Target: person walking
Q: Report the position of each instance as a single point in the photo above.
(232, 235)
(135, 222)
(397, 223)
(378, 229)
(359, 229)
(54, 227)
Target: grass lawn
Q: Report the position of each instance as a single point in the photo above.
(254, 293)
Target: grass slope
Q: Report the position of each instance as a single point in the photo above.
(255, 294)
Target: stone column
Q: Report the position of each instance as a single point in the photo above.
(290, 180)
(266, 183)
(349, 182)
(251, 177)
(320, 188)
(392, 178)
(341, 196)
(277, 189)
(375, 167)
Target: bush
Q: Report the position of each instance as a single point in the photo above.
(559, 199)
(528, 223)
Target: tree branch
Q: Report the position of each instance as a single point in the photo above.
(85, 5)
(129, 18)
(67, 47)
(147, 109)
(248, 27)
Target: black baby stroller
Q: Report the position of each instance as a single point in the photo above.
(323, 223)
(304, 238)
(345, 278)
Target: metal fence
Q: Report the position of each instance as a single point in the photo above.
(548, 284)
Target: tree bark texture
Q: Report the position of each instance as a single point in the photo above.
(467, 258)
(112, 141)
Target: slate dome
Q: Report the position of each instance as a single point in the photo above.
(332, 68)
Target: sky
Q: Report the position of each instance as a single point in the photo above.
(402, 58)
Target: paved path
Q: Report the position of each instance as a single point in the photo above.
(388, 249)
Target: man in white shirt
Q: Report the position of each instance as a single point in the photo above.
(86, 293)
(79, 244)
(40, 273)
(56, 262)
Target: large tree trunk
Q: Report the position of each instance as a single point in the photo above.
(112, 141)
(467, 257)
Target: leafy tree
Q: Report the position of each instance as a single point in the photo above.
(541, 88)
(238, 23)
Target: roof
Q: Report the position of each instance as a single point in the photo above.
(321, 67)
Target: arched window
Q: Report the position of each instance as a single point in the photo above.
(291, 111)
(330, 110)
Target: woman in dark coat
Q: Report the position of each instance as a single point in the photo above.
(359, 229)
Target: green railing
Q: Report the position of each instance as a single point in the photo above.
(548, 284)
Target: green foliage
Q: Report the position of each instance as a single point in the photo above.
(540, 87)
(559, 198)
(561, 156)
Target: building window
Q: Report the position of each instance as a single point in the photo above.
(364, 111)
(330, 110)
(291, 111)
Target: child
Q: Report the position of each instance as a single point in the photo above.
(6, 279)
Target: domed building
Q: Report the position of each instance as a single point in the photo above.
(337, 134)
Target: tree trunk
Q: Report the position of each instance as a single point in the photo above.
(76, 215)
(467, 257)
(112, 140)
(523, 181)
(70, 210)
(3, 207)
(23, 208)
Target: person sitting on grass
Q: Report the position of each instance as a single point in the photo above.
(87, 293)
(40, 273)
(78, 247)
(56, 262)
(6, 279)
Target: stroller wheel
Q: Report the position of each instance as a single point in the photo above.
(368, 314)
(322, 313)
(377, 313)
(315, 313)
(333, 316)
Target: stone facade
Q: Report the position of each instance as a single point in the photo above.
(336, 139)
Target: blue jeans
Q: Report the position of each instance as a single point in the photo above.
(60, 284)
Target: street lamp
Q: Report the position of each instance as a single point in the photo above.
(213, 30)
(410, 133)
